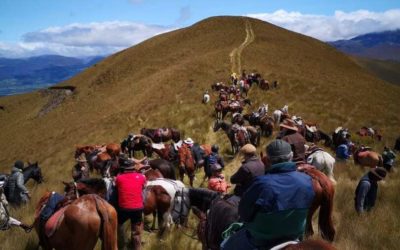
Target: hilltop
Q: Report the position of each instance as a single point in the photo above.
(160, 82)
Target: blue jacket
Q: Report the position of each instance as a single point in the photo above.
(276, 204)
(366, 193)
(343, 152)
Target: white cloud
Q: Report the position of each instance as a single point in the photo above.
(341, 25)
(82, 39)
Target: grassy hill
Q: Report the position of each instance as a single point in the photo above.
(160, 83)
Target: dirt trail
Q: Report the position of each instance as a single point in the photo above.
(236, 53)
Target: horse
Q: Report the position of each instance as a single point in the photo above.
(98, 156)
(237, 136)
(265, 122)
(160, 196)
(140, 143)
(187, 164)
(218, 86)
(340, 136)
(165, 167)
(373, 133)
(223, 107)
(162, 134)
(322, 160)
(264, 84)
(79, 224)
(365, 157)
(32, 171)
(281, 114)
(166, 152)
(206, 98)
(311, 132)
(86, 186)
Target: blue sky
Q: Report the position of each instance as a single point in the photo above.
(92, 27)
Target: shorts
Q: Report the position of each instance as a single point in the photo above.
(135, 216)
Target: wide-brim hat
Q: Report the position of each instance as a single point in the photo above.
(379, 172)
(189, 141)
(289, 124)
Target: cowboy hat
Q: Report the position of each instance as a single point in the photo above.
(289, 124)
(379, 172)
(189, 141)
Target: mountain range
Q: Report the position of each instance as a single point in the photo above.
(381, 45)
(27, 74)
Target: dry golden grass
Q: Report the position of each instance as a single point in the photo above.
(160, 83)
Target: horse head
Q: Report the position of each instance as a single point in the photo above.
(33, 171)
(217, 125)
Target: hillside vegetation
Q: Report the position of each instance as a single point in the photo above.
(160, 83)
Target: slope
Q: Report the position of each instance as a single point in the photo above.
(160, 83)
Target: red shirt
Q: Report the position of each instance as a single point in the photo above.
(130, 186)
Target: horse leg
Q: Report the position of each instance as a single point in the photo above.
(309, 228)
(153, 224)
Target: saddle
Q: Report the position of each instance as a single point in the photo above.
(312, 150)
(54, 222)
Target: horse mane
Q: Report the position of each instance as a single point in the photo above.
(202, 197)
(93, 182)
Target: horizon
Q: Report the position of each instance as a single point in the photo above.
(83, 29)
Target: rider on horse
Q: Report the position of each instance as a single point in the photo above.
(274, 208)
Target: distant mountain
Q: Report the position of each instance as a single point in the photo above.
(383, 45)
(24, 75)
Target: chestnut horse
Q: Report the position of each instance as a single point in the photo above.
(80, 224)
(166, 152)
(140, 143)
(99, 156)
(161, 134)
(365, 157)
(265, 122)
(222, 108)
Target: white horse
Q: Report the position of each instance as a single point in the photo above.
(323, 161)
(206, 98)
(279, 112)
(263, 109)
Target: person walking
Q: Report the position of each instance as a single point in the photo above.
(129, 186)
(6, 221)
(367, 189)
(388, 157)
(217, 180)
(211, 159)
(17, 192)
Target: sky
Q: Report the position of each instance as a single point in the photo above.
(82, 28)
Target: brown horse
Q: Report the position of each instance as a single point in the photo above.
(98, 156)
(265, 122)
(161, 134)
(264, 84)
(223, 107)
(140, 143)
(365, 157)
(80, 224)
(167, 152)
(159, 195)
(186, 163)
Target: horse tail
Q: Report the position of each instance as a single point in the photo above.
(108, 225)
(325, 222)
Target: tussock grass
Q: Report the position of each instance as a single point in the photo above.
(160, 83)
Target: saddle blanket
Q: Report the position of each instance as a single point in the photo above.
(53, 222)
(170, 186)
